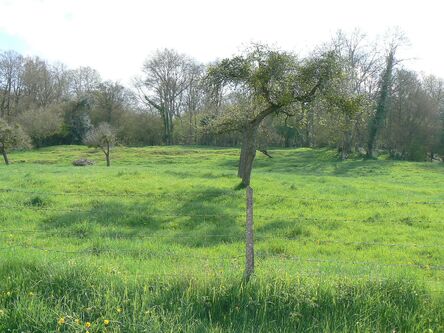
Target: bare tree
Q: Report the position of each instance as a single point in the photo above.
(83, 81)
(11, 74)
(193, 99)
(103, 137)
(361, 63)
(166, 76)
(61, 80)
(39, 88)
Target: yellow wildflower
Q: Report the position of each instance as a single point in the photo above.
(77, 321)
(61, 320)
(87, 324)
(106, 322)
(119, 310)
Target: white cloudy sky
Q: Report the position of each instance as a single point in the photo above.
(115, 36)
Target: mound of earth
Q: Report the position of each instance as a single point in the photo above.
(82, 162)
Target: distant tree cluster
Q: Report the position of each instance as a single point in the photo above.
(351, 94)
(55, 105)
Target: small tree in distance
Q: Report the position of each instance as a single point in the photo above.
(103, 137)
(11, 136)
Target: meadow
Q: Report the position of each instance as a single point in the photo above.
(155, 243)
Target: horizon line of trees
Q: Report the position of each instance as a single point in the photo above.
(372, 102)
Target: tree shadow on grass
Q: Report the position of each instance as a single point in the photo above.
(362, 168)
(313, 163)
(109, 219)
(305, 162)
(214, 214)
(201, 219)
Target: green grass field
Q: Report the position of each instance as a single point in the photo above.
(155, 243)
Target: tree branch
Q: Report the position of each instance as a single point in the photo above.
(265, 152)
(152, 103)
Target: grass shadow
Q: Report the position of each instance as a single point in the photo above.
(314, 162)
(205, 218)
(215, 214)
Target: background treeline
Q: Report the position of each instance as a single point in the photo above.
(170, 102)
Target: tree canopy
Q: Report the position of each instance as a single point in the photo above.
(262, 82)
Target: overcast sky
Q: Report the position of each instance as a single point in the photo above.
(115, 36)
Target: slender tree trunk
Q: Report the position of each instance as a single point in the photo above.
(196, 137)
(307, 135)
(190, 133)
(286, 140)
(346, 148)
(171, 131)
(8, 103)
(168, 134)
(5, 156)
(165, 113)
(108, 163)
(310, 132)
(248, 153)
(165, 128)
(169, 128)
(286, 135)
(2, 105)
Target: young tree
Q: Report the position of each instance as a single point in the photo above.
(263, 82)
(11, 136)
(103, 137)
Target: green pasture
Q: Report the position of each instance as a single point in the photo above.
(155, 243)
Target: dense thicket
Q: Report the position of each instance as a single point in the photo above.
(172, 102)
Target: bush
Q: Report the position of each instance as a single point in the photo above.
(42, 124)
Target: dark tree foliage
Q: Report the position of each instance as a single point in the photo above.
(381, 107)
(77, 120)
